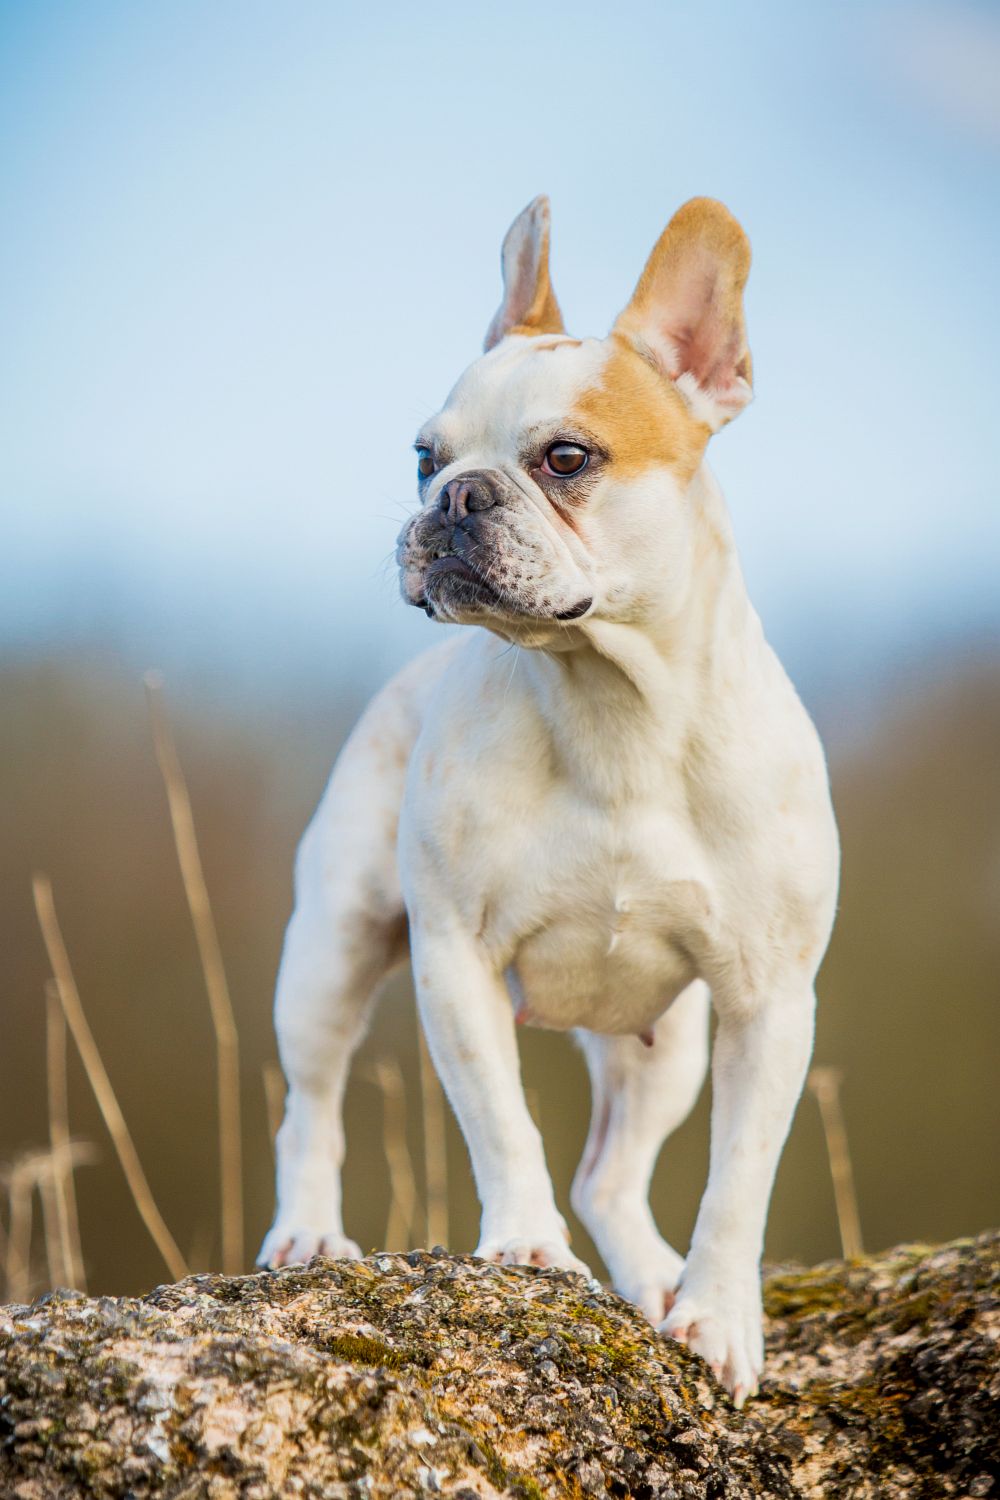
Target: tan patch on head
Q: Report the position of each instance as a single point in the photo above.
(540, 346)
(639, 419)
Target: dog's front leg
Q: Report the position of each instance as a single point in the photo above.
(467, 1016)
(758, 1066)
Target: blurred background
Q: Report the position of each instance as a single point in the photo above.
(246, 249)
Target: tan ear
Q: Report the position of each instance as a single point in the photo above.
(529, 304)
(686, 314)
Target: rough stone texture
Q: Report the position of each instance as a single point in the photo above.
(883, 1376)
(436, 1374)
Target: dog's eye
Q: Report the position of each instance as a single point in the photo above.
(425, 463)
(564, 459)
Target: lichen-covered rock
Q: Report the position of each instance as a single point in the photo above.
(436, 1374)
(883, 1375)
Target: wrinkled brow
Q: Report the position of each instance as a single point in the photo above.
(444, 452)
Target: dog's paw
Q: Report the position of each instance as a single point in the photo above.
(528, 1250)
(286, 1245)
(653, 1285)
(725, 1329)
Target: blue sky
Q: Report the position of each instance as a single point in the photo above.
(247, 248)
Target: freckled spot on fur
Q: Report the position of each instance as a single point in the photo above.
(641, 420)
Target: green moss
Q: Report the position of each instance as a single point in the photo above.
(528, 1489)
(496, 1472)
(502, 1478)
(117, 1376)
(360, 1349)
(917, 1311)
(802, 1295)
(620, 1360)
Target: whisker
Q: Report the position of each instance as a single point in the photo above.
(513, 669)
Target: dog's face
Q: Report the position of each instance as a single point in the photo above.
(553, 482)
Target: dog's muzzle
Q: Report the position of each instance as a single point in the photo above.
(452, 542)
(452, 555)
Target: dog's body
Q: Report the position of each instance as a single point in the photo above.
(593, 833)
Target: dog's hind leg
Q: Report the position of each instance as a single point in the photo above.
(640, 1095)
(347, 931)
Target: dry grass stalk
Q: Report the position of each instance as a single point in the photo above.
(53, 1173)
(274, 1098)
(403, 1203)
(63, 1182)
(200, 1248)
(20, 1196)
(39, 1170)
(220, 1004)
(435, 1160)
(54, 1249)
(69, 998)
(825, 1084)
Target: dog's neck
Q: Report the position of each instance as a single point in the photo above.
(649, 681)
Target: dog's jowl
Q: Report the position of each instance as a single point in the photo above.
(599, 808)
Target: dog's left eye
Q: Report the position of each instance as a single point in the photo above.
(564, 459)
(425, 463)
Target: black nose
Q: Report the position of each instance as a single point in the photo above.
(467, 493)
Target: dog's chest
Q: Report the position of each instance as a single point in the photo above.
(601, 925)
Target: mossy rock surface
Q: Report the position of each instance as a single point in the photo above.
(423, 1374)
(883, 1375)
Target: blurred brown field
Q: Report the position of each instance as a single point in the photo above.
(909, 994)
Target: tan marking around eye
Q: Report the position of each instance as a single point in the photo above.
(639, 418)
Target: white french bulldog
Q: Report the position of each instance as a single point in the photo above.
(593, 811)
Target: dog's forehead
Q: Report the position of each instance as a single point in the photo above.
(601, 388)
(522, 383)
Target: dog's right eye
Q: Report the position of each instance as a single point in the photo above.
(425, 463)
(564, 460)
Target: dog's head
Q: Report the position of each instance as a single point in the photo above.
(554, 480)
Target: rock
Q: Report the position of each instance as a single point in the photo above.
(884, 1374)
(440, 1375)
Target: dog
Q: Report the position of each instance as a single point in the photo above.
(600, 809)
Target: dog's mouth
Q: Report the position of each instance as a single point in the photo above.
(457, 584)
(441, 567)
(453, 580)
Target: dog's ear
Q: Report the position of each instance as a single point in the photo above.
(686, 313)
(529, 304)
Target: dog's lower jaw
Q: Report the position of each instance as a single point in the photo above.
(451, 589)
(576, 611)
(507, 620)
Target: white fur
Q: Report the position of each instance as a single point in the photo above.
(713, 409)
(600, 824)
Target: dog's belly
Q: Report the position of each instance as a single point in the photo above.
(613, 972)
